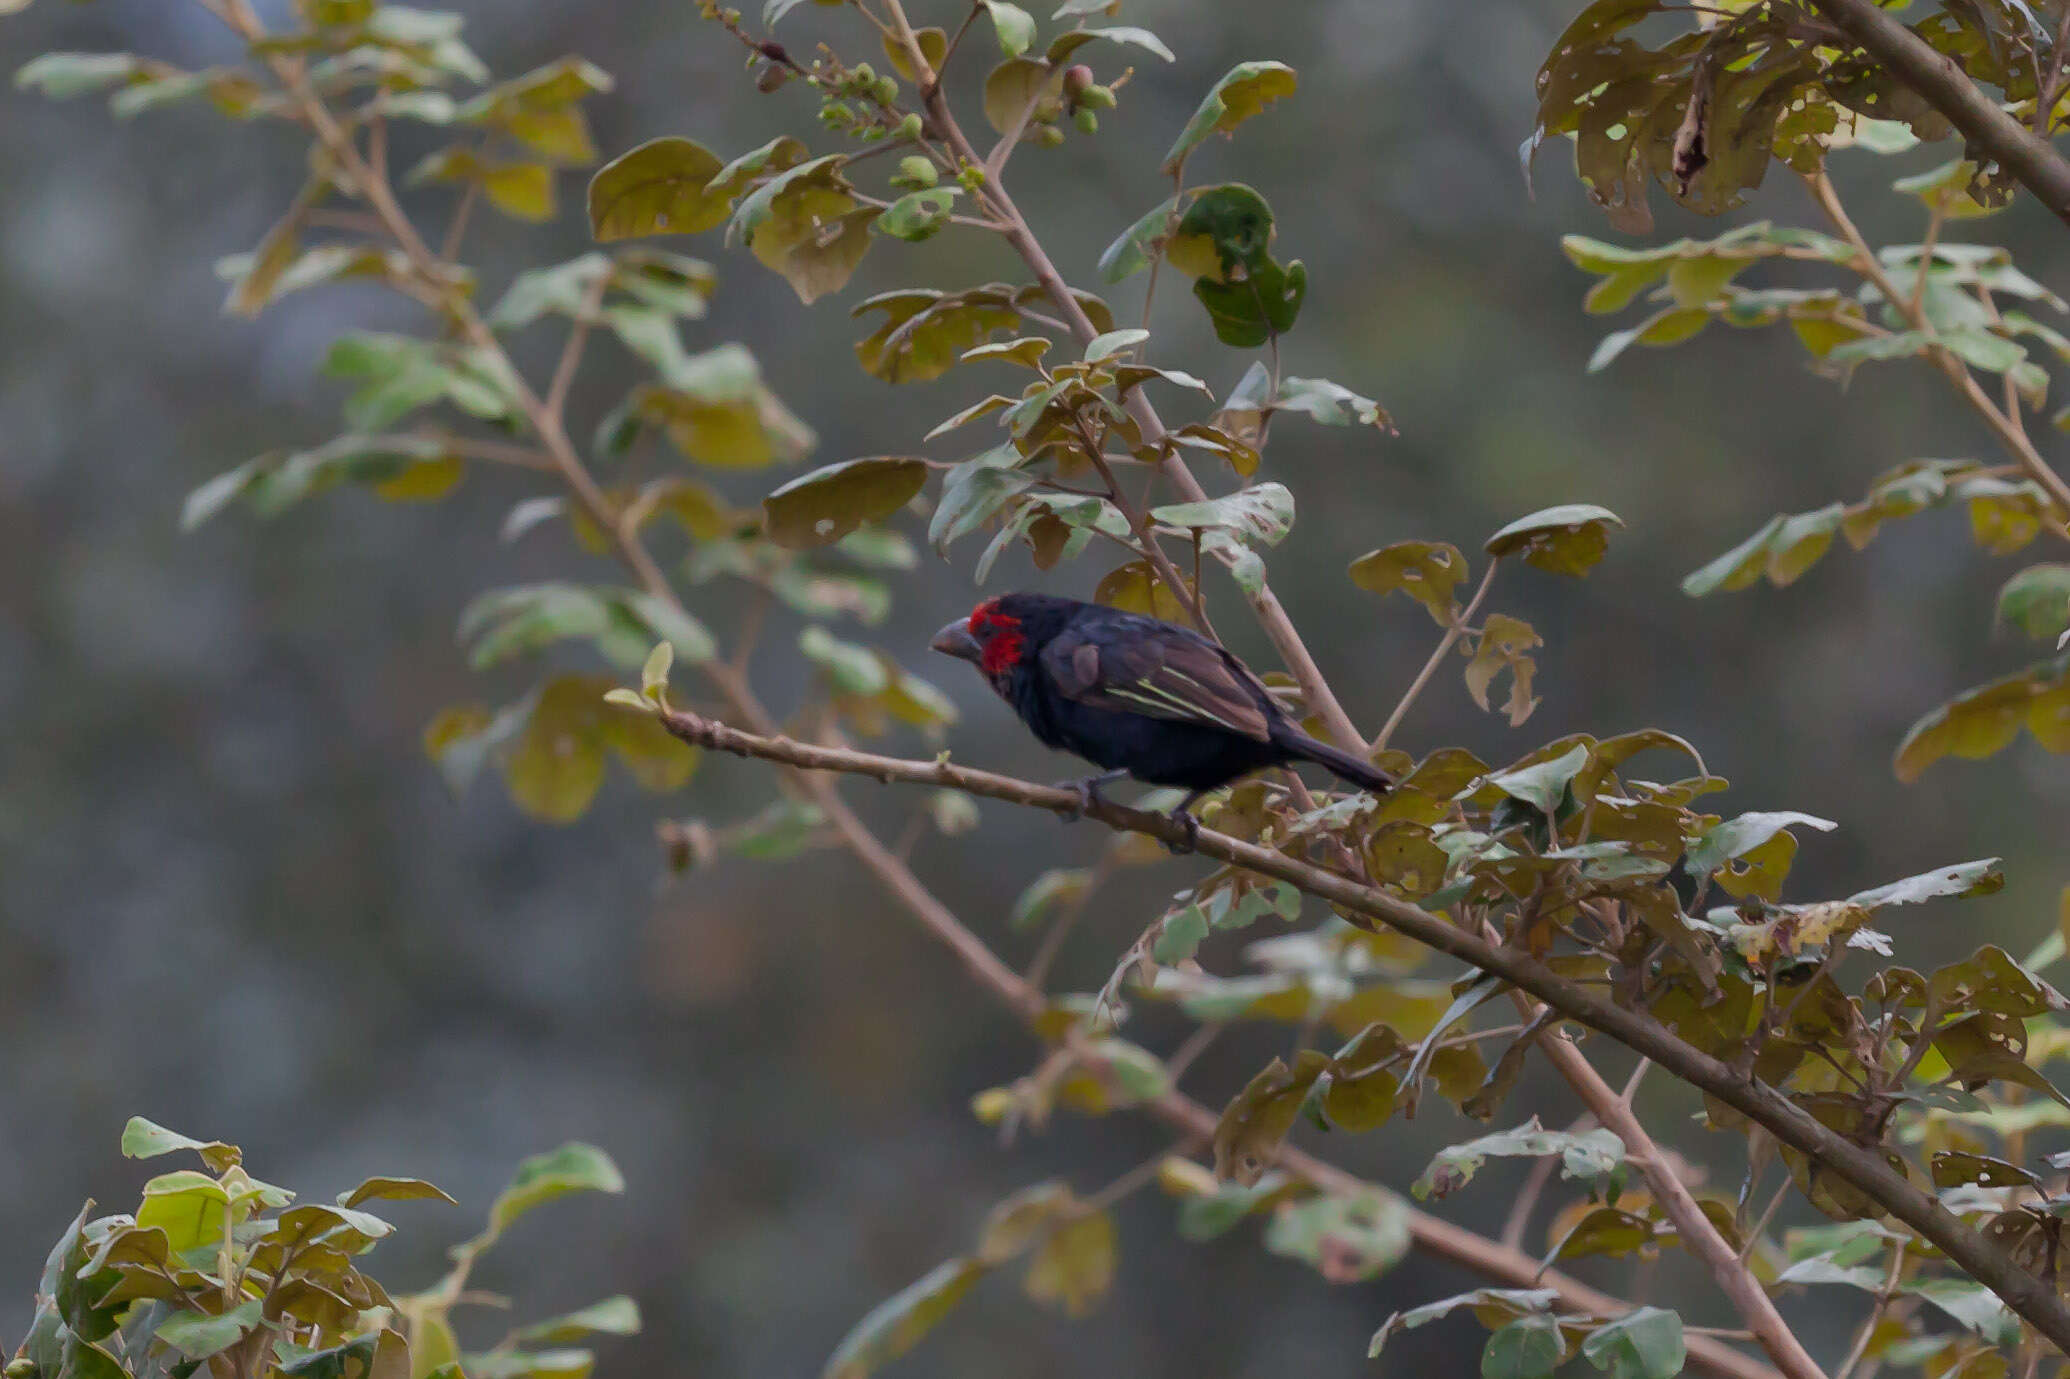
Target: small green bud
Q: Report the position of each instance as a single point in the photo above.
(1097, 97)
(1087, 122)
(729, 17)
(1078, 79)
(870, 134)
(909, 128)
(886, 91)
(916, 172)
(970, 177)
(864, 74)
(1049, 136)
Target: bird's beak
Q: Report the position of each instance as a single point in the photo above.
(955, 640)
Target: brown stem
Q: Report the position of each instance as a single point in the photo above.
(2031, 159)
(1698, 1235)
(1437, 657)
(2031, 1297)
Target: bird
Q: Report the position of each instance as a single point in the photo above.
(1136, 696)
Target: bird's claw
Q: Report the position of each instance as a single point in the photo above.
(1185, 820)
(1087, 789)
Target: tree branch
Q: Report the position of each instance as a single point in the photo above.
(1935, 78)
(2033, 1299)
(2005, 425)
(1698, 1235)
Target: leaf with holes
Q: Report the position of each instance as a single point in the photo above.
(1566, 540)
(1427, 571)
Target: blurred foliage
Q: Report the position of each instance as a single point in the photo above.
(1562, 853)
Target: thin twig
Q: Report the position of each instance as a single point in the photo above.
(1437, 658)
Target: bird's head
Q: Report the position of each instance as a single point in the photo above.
(992, 638)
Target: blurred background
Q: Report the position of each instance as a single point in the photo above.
(236, 898)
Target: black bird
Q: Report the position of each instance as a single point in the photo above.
(1136, 696)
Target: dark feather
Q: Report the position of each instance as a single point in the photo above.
(1162, 672)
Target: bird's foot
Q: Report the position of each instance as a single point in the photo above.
(1087, 789)
(1184, 819)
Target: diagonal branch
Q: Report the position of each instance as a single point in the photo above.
(1940, 83)
(1861, 1167)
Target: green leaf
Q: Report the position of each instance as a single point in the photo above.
(852, 669)
(974, 491)
(654, 674)
(1587, 1156)
(2037, 601)
(1014, 26)
(898, 1323)
(1073, 1266)
(918, 215)
(690, 640)
(198, 1335)
(394, 1190)
(1346, 1238)
(1332, 404)
(614, 1316)
(662, 187)
(1245, 90)
(545, 1177)
(1983, 877)
(1645, 1343)
(1047, 894)
(1739, 836)
(1130, 254)
(1429, 572)
(1104, 347)
(715, 410)
(806, 224)
(396, 468)
(1496, 1302)
(525, 1364)
(1262, 514)
(1528, 1348)
(509, 622)
(822, 507)
(1565, 540)
(141, 1139)
(192, 1209)
(1542, 785)
(1130, 34)
(60, 76)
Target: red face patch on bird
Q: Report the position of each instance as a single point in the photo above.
(999, 633)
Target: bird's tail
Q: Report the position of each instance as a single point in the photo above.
(1343, 765)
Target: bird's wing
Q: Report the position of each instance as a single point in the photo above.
(1184, 680)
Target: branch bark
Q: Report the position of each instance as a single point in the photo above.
(2033, 1299)
(2031, 159)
